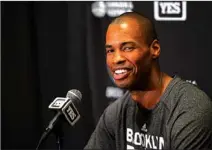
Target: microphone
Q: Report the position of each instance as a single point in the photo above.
(66, 106)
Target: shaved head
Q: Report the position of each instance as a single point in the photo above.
(146, 27)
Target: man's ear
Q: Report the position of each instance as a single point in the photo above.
(155, 49)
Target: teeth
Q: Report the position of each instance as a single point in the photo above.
(120, 71)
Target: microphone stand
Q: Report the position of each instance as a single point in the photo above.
(58, 131)
(56, 127)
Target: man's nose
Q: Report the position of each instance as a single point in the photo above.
(118, 58)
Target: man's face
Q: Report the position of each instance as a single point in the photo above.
(127, 54)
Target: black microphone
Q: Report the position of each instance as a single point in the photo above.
(66, 106)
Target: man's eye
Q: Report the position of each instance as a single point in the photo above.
(109, 50)
(128, 48)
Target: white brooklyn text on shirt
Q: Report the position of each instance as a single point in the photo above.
(143, 139)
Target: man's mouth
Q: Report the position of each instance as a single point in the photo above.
(120, 74)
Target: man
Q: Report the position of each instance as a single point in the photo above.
(157, 111)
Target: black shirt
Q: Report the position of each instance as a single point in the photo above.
(182, 119)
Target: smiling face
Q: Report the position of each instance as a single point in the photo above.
(128, 56)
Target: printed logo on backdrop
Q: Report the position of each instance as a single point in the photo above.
(113, 93)
(170, 10)
(192, 82)
(111, 9)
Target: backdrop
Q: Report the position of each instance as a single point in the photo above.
(49, 48)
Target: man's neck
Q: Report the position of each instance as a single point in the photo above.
(149, 98)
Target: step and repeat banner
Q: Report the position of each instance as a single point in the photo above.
(49, 48)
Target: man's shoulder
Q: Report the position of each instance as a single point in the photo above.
(191, 91)
(191, 96)
(191, 112)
